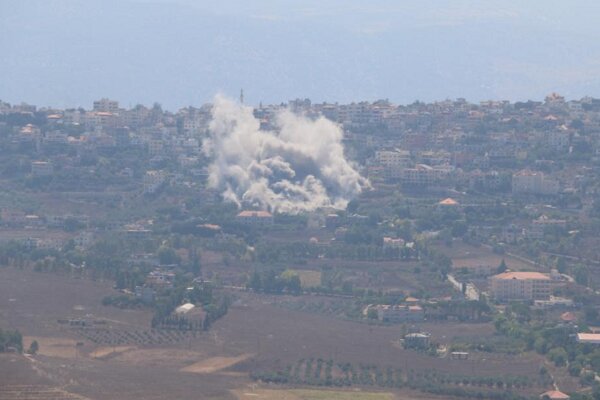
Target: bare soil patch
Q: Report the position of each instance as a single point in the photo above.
(104, 352)
(215, 364)
(53, 346)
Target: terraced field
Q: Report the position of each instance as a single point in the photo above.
(36, 392)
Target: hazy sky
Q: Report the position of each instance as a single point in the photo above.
(182, 52)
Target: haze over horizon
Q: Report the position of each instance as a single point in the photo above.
(66, 53)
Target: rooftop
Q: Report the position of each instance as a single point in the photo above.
(530, 275)
(448, 202)
(258, 214)
(555, 395)
(588, 337)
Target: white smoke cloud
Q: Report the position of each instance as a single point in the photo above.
(299, 167)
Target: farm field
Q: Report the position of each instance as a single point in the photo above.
(303, 394)
(466, 255)
(255, 336)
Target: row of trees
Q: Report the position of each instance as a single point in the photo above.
(270, 281)
(319, 372)
(11, 339)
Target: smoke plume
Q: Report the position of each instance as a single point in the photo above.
(300, 166)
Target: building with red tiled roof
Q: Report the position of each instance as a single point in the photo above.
(554, 395)
(568, 317)
(527, 286)
(448, 202)
(589, 338)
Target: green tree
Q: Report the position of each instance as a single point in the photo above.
(33, 347)
(561, 265)
(502, 267)
(372, 313)
(581, 275)
(167, 255)
(255, 282)
(558, 356)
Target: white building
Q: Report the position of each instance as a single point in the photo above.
(153, 180)
(533, 182)
(528, 286)
(106, 105)
(41, 168)
(399, 313)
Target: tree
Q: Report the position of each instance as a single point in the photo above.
(294, 284)
(558, 356)
(167, 255)
(372, 313)
(255, 282)
(502, 267)
(11, 339)
(561, 265)
(33, 347)
(581, 275)
(195, 262)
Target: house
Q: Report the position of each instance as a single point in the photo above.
(449, 202)
(145, 293)
(255, 218)
(542, 224)
(399, 313)
(419, 340)
(568, 317)
(554, 395)
(588, 338)
(184, 308)
(160, 279)
(393, 243)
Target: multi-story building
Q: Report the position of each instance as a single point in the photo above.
(256, 218)
(41, 168)
(106, 105)
(424, 176)
(527, 286)
(399, 313)
(393, 162)
(542, 224)
(533, 182)
(153, 180)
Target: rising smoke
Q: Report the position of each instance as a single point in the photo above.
(298, 167)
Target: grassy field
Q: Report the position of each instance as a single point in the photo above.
(309, 278)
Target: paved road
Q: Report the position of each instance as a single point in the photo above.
(471, 292)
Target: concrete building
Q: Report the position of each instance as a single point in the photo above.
(419, 340)
(532, 182)
(255, 218)
(393, 243)
(424, 176)
(542, 224)
(399, 313)
(153, 180)
(393, 162)
(528, 286)
(589, 338)
(106, 105)
(41, 168)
